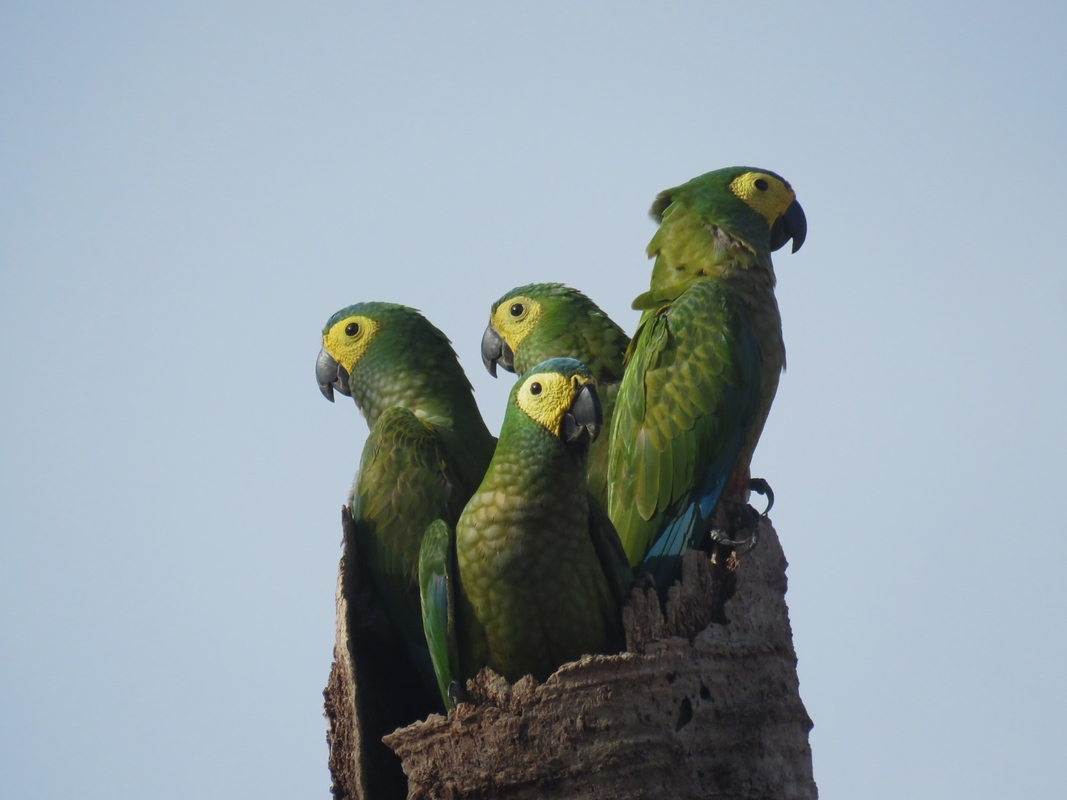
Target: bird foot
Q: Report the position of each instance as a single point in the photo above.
(738, 527)
(744, 545)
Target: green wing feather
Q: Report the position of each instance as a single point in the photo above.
(405, 482)
(437, 592)
(686, 402)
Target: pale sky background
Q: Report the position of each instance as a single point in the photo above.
(186, 194)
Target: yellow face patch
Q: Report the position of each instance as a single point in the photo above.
(515, 318)
(546, 397)
(765, 194)
(348, 338)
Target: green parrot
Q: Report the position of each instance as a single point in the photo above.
(535, 575)
(539, 321)
(703, 366)
(426, 453)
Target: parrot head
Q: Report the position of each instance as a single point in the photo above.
(560, 395)
(512, 319)
(380, 353)
(345, 340)
(539, 321)
(755, 204)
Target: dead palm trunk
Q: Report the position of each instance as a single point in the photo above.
(694, 708)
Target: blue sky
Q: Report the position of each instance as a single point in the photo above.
(187, 194)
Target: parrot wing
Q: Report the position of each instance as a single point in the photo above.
(688, 397)
(405, 482)
(437, 593)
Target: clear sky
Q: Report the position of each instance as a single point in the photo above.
(186, 194)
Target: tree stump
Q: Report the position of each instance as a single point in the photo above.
(696, 707)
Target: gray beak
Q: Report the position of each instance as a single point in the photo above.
(330, 376)
(581, 423)
(791, 225)
(494, 350)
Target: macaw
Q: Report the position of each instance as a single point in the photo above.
(703, 366)
(533, 323)
(426, 453)
(532, 575)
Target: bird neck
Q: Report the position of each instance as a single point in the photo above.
(436, 391)
(528, 455)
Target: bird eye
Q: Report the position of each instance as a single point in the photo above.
(352, 328)
(535, 388)
(761, 184)
(517, 309)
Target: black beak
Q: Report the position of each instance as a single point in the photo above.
(581, 423)
(791, 225)
(330, 376)
(495, 349)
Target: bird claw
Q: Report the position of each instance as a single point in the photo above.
(761, 487)
(745, 545)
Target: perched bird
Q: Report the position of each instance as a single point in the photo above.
(703, 366)
(536, 576)
(426, 453)
(539, 321)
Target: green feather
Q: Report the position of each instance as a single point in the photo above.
(573, 326)
(703, 367)
(437, 591)
(426, 452)
(540, 579)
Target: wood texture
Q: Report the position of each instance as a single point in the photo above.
(695, 708)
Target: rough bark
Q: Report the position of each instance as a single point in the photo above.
(697, 706)
(342, 731)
